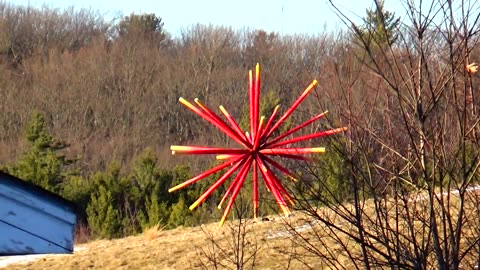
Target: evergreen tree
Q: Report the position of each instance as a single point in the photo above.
(78, 190)
(147, 26)
(41, 164)
(380, 26)
(333, 174)
(145, 171)
(156, 212)
(104, 220)
(179, 213)
(147, 190)
(119, 191)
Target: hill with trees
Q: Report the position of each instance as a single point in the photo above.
(89, 108)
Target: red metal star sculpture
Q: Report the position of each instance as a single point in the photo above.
(257, 152)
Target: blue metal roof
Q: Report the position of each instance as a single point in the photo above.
(33, 220)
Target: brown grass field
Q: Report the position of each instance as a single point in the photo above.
(213, 247)
(180, 248)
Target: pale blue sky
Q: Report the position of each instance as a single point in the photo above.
(281, 16)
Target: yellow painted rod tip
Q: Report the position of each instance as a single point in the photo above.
(220, 224)
(285, 210)
(179, 147)
(180, 99)
(263, 168)
(314, 82)
(196, 100)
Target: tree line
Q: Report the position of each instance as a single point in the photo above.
(90, 107)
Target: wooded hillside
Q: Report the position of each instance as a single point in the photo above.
(89, 109)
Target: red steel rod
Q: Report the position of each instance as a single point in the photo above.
(295, 129)
(269, 182)
(200, 150)
(239, 182)
(205, 174)
(230, 188)
(270, 121)
(217, 184)
(238, 134)
(256, 99)
(255, 188)
(280, 168)
(234, 125)
(225, 129)
(251, 97)
(293, 107)
(309, 136)
(276, 182)
(295, 150)
(256, 141)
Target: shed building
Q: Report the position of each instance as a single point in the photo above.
(33, 220)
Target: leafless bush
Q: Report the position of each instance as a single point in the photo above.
(236, 248)
(410, 160)
(82, 233)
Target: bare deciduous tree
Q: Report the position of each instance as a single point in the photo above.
(411, 156)
(237, 247)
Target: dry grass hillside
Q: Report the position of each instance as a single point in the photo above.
(295, 242)
(276, 242)
(182, 248)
